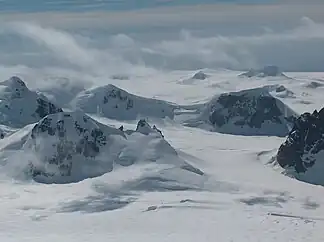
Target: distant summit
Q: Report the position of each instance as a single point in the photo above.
(20, 106)
(314, 84)
(267, 71)
(200, 75)
(247, 112)
(115, 103)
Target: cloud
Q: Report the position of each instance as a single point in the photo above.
(37, 52)
(60, 43)
(298, 49)
(65, 52)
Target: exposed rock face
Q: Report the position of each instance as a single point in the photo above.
(144, 128)
(113, 102)
(248, 112)
(20, 106)
(70, 146)
(200, 75)
(267, 71)
(304, 146)
(281, 88)
(282, 92)
(60, 140)
(314, 85)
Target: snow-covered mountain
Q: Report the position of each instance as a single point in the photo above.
(281, 91)
(20, 106)
(116, 103)
(196, 77)
(248, 112)
(315, 84)
(303, 152)
(230, 158)
(153, 184)
(200, 75)
(70, 146)
(267, 71)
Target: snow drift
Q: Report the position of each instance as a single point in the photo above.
(302, 153)
(20, 106)
(115, 103)
(70, 146)
(247, 112)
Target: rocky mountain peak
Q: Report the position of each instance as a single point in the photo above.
(267, 71)
(20, 106)
(305, 142)
(253, 109)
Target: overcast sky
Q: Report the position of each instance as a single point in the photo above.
(287, 33)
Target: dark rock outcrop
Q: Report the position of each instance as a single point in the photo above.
(248, 112)
(267, 71)
(314, 85)
(304, 144)
(70, 146)
(200, 75)
(145, 128)
(67, 137)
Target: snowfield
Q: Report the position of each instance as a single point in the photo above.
(230, 183)
(128, 127)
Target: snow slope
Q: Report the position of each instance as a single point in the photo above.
(267, 71)
(113, 102)
(70, 146)
(238, 198)
(20, 106)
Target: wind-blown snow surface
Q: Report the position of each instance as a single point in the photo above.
(159, 202)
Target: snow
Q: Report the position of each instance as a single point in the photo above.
(245, 112)
(113, 102)
(145, 200)
(157, 178)
(20, 106)
(267, 71)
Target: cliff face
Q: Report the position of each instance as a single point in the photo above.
(304, 146)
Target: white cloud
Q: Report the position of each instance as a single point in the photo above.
(237, 37)
(247, 51)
